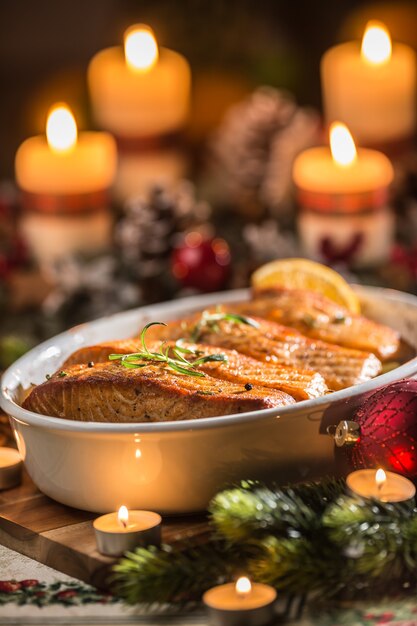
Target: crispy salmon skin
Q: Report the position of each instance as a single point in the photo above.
(108, 392)
(238, 368)
(273, 343)
(283, 346)
(318, 317)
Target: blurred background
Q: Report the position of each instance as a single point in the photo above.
(255, 104)
(232, 46)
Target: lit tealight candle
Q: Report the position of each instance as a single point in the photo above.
(243, 602)
(371, 86)
(384, 486)
(343, 193)
(10, 468)
(140, 90)
(118, 532)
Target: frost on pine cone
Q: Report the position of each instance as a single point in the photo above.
(254, 148)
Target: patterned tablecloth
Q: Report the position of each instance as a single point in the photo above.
(53, 598)
(71, 602)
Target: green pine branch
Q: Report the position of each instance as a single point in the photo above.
(166, 575)
(309, 538)
(252, 509)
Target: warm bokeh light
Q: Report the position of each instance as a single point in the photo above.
(376, 43)
(141, 49)
(380, 477)
(123, 516)
(243, 586)
(342, 146)
(61, 129)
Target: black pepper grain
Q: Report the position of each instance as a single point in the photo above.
(90, 364)
(248, 386)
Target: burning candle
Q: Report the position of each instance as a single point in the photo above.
(343, 193)
(141, 94)
(141, 90)
(119, 532)
(371, 86)
(10, 468)
(243, 602)
(65, 162)
(384, 486)
(65, 178)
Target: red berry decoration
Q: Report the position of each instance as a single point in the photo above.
(201, 263)
(29, 582)
(9, 586)
(388, 430)
(66, 594)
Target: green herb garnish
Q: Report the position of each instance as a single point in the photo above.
(61, 374)
(210, 320)
(178, 362)
(339, 318)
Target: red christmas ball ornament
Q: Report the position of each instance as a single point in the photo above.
(388, 430)
(201, 263)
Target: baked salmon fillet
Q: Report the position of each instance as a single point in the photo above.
(318, 317)
(270, 342)
(238, 368)
(109, 392)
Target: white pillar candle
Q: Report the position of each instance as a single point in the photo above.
(141, 90)
(65, 177)
(371, 87)
(65, 162)
(342, 193)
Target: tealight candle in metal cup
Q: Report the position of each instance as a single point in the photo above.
(119, 532)
(10, 468)
(240, 604)
(384, 486)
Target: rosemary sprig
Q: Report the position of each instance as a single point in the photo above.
(178, 362)
(210, 320)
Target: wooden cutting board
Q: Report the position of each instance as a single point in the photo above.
(63, 538)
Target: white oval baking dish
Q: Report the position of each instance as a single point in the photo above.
(176, 467)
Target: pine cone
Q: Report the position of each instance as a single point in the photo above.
(146, 233)
(255, 146)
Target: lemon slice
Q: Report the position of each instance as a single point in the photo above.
(306, 274)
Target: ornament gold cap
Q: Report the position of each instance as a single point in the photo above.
(347, 433)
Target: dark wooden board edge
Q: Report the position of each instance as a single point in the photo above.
(63, 538)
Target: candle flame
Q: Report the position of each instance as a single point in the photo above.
(141, 49)
(380, 477)
(342, 146)
(243, 586)
(123, 516)
(376, 43)
(61, 129)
